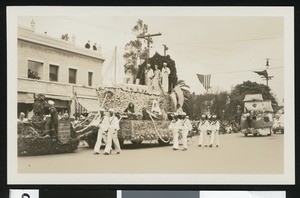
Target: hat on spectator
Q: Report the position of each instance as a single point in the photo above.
(50, 102)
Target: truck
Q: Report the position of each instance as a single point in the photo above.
(257, 119)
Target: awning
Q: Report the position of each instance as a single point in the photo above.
(68, 98)
(25, 98)
(89, 104)
(59, 101)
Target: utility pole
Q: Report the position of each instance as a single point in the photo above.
(148, 39)
(267, 77)
(165, 49)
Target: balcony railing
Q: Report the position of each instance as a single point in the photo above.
(43, 87)
(28, 85)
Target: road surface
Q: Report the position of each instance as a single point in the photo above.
(236, 155)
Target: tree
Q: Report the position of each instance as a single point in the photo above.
(183, 91)
(239, 91)
(134, 49)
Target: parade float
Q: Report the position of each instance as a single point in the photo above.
(257, 118)
(36, 138)
(143, 125)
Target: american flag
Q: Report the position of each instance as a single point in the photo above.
(204, 80)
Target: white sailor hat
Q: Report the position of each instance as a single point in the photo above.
(203, 116)
(214, 116)
(111, 110)
(164, 63)
(50, 102)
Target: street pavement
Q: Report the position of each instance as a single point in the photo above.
(237, 154)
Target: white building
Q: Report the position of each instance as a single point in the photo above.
(56, 68)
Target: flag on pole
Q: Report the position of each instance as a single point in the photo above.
(204, 80)
(262, 73)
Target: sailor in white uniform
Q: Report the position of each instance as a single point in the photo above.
(203, 127)
(112, 135)
(102, 131)
(175, 127)
(186, 126)
(214, 126)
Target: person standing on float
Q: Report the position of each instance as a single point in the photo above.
(112, 135)
(54, 117)
(155, 84)
(103, 127)
(148, 75)
(165, 72)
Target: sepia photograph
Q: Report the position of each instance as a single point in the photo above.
(150, 95)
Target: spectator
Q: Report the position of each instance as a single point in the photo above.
(130, 108)
(22, 118)
(88, 45)
(95, 47)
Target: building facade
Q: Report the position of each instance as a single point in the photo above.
(57, 69)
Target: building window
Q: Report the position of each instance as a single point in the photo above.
(53, 73)
(72, 76)
(90, 78)
(35, 70)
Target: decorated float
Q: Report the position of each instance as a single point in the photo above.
(258, 116)
(152, 108)
(35, 136)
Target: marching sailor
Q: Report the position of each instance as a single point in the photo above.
(186, 126)
(103, 127)
(175, 127)
(214, 126)
(112, 135)
(203, 127)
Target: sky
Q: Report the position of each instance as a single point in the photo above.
(228, 48)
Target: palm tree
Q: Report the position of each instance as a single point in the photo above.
(181, 95)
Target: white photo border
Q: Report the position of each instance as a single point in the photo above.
(288, 177)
